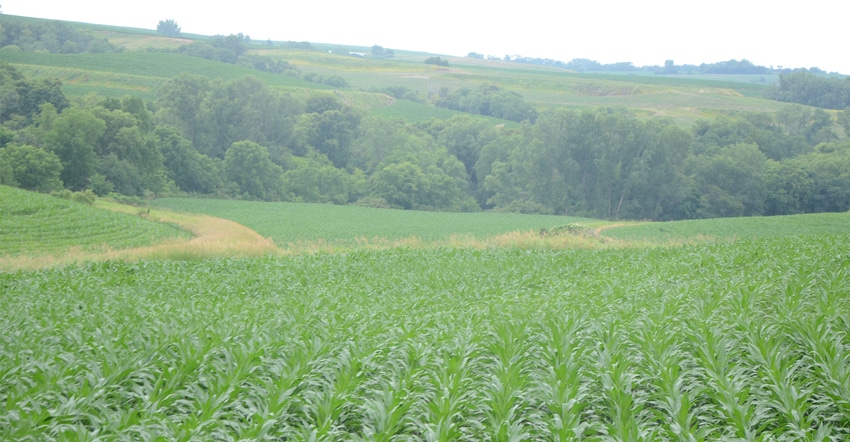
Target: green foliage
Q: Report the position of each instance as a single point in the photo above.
(329, 127)
(248, 165)
(83, 197)
(401, 93)
(227, 49)
(190, 170)
(730, 181)
(603, 163)
(267, 64)
(464, 137)
(168, 27)
(381, 52)
(214, 115)
(51, 36)
(807, 88)
(32, 168)
(437, 61)
(335, 81)
(787, 184)
(316, 180)
(23, 97)
(73, 137)
(402, 185)
(844, 120)
(488, 100)
(828, 168)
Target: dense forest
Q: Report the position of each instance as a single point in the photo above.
(240, 139)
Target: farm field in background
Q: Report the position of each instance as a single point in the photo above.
(349, 225)
(736, 228)
(744, 340)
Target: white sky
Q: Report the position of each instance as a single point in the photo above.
(647, 32)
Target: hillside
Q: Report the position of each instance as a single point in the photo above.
(139, 72)
(34, 224)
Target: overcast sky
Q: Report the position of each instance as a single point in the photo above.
(769, 33)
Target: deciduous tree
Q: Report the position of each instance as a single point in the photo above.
(168, 27)
(247, 164)
(73, 137)
(32, 168)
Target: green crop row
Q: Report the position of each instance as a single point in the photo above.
(744, 341)
(34, 224)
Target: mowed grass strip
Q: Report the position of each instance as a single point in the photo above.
(292, 223)
(37, 224)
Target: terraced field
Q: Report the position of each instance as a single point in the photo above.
(36, 224)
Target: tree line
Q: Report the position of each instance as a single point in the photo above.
(804, 87)
(55, 37)
(241, 139)
(728, 67)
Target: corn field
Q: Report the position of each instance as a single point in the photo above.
(726, 341)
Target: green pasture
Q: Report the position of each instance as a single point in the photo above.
(299, 222)
(737, 228)
(35, 224)
(744, 341)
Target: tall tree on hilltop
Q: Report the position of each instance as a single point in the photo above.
(168, 27)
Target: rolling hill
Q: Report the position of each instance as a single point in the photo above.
(143, 66)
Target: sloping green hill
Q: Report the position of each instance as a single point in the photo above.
(34, 224)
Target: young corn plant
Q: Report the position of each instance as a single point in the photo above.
(561, 385)
(728, 384)
(624, 401)
(780, 377)
(676, 387)
(828, 357)
(452, 379)
(395, 408)
(508, 383)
